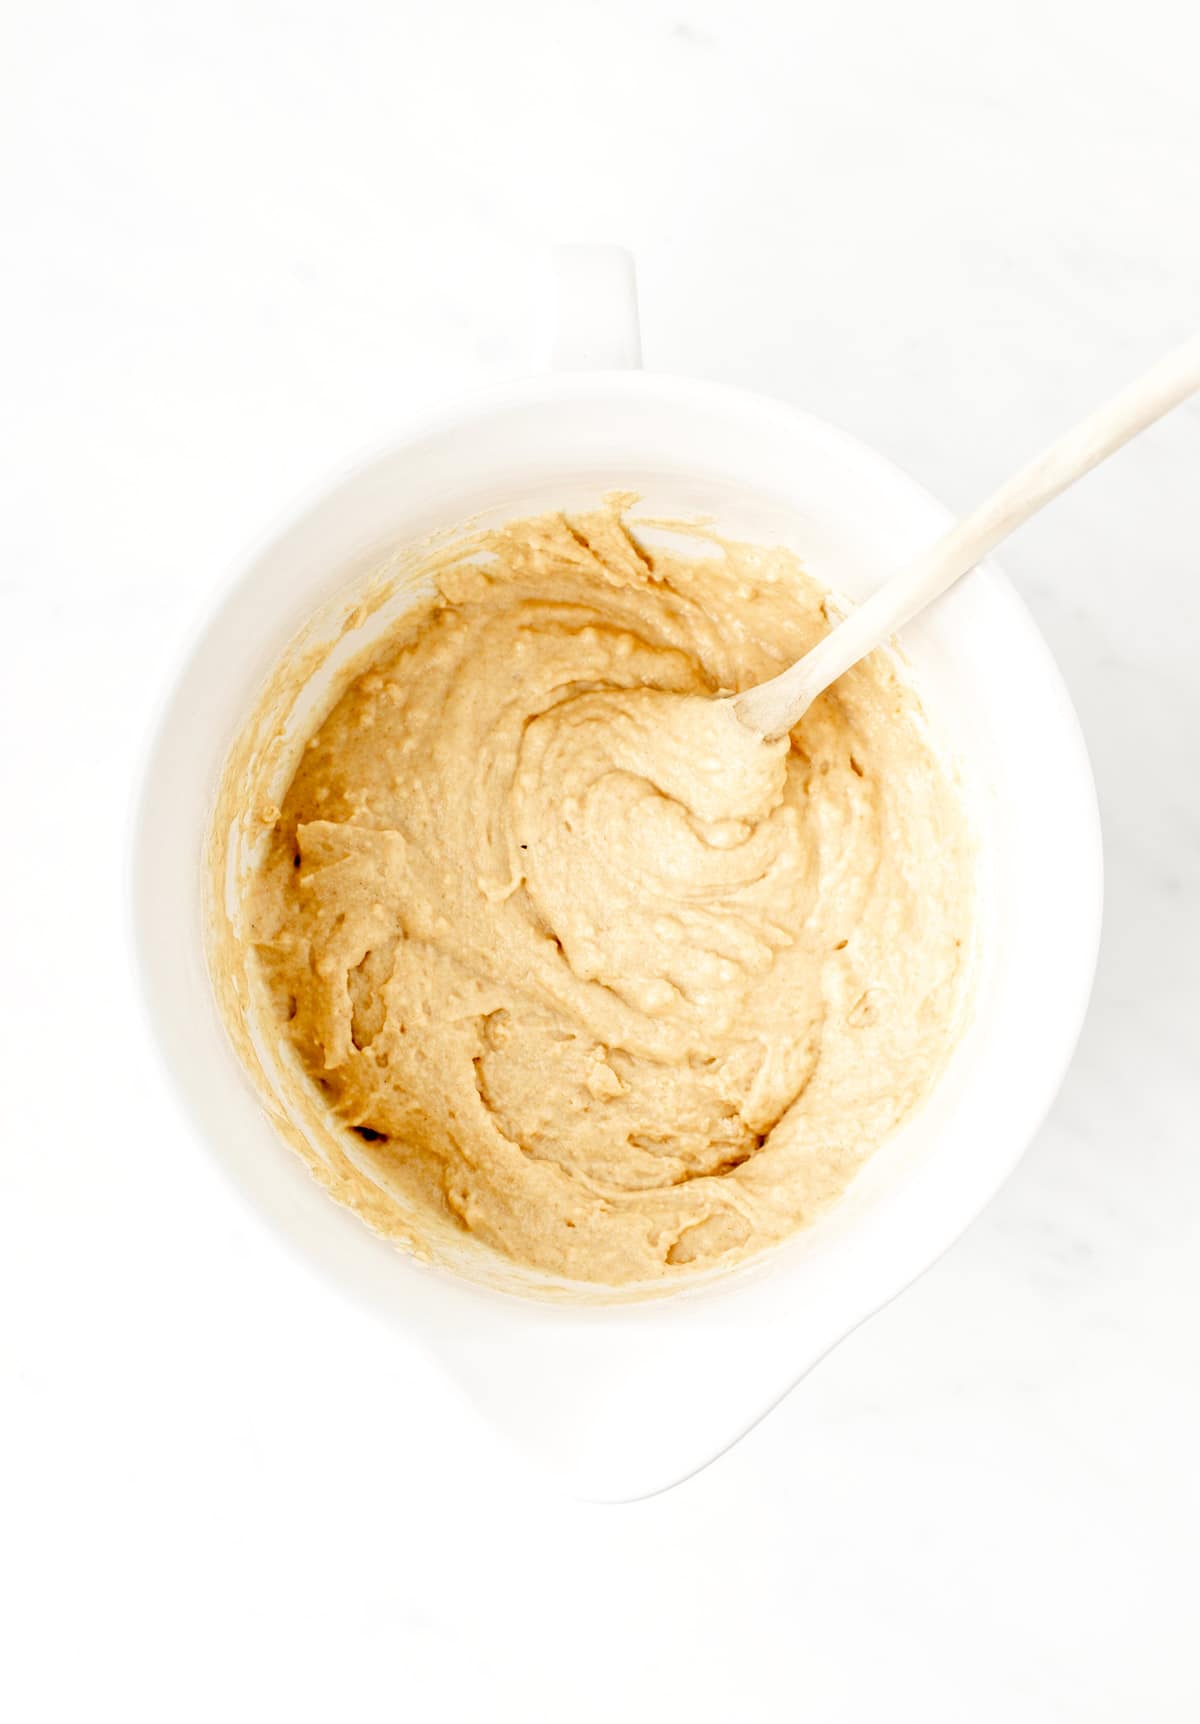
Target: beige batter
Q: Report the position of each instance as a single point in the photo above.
(623, 990)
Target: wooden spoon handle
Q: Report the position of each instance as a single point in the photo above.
(774, 707)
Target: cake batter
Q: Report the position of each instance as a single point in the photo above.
(596, 974)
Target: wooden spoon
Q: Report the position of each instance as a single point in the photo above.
(774, 707)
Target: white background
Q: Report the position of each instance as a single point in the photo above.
(245, 241)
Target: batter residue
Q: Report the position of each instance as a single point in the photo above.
(594, 971)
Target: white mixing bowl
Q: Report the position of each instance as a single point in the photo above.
(620, 1399)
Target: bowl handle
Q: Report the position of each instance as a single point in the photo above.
(597, 326)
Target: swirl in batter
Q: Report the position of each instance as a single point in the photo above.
(619, 988)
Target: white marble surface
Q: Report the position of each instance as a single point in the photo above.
(244, 241)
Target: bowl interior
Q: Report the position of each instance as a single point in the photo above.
(621, 1397)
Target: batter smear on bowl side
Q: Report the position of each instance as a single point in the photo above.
(587, 968)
